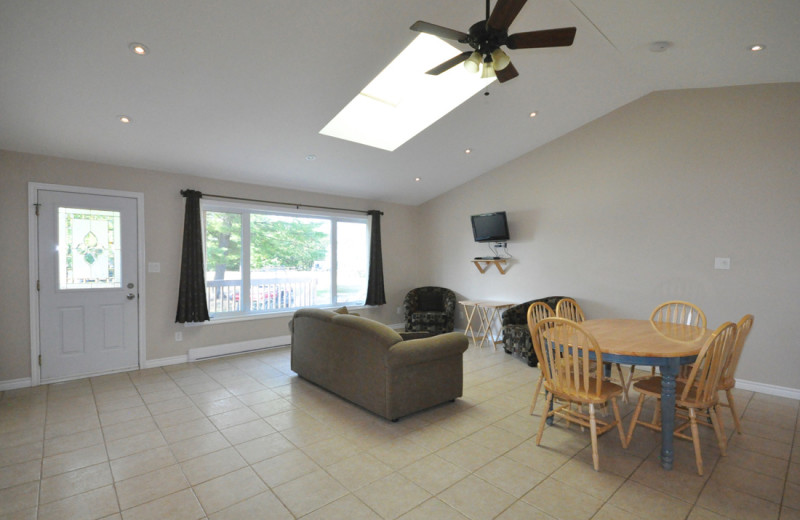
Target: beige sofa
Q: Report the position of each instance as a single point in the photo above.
(372, 366)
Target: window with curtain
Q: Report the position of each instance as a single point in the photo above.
(260, 260)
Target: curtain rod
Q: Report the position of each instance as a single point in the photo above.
(295, 205)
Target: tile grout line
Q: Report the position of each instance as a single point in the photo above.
(105, 445)
(795, 439)
(169, 446)
(41, 465)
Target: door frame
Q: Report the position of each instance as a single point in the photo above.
(33, 268)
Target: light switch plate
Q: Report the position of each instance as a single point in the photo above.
(153, 267)
(722, 262)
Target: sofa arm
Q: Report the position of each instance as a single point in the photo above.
(414, 335)
(416, 351)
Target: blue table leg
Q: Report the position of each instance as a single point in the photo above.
(668, 374)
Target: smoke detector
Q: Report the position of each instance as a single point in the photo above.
(660, 46)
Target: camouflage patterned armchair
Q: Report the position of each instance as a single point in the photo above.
(516, 335)
(431, 309)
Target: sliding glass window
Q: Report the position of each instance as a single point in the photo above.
(262, 260)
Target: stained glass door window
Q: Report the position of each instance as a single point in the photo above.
(89, 249)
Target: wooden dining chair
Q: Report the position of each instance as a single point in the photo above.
(728, 381)
(536, 313)
(569, 309)
(678, 312)
(564, 349)
(698, 393)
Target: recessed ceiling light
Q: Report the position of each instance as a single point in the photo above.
(533, 114)
(757, 47)
(124, 119)
(417, 179)
(311, 157)
(468, 151)
(138, 48)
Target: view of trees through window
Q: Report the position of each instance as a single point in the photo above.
(289, 261)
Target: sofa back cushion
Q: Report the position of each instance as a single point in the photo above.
(430, 301)
(518, 314)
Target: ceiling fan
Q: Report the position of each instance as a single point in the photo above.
(487, 36)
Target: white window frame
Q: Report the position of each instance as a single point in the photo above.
(245, 209)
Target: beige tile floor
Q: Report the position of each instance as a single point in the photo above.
(243, 437)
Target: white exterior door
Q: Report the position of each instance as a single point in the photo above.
(88, 284)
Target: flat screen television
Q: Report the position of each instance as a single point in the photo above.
(490, 227)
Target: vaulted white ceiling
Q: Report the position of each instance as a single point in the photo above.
(239, 89)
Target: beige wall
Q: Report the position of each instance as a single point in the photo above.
(623, 213)
(164, 209)
(631, 209)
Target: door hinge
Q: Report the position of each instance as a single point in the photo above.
(40, 360)
(37, 205)
(38, 285)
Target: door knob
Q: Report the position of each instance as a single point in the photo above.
(131, 296)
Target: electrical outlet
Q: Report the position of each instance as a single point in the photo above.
(722, 263)
(399, 310)
(179, 336)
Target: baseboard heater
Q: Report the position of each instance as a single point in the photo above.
(240, 347)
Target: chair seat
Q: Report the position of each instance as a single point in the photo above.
(652, 387)
(607, 391)
(727, 384)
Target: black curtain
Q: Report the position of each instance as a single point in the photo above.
(375, 292)
(192, 291)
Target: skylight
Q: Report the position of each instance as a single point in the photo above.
(402, 100)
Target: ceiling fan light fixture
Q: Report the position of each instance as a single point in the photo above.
(488, 35)
(500, 59)
(473, 63)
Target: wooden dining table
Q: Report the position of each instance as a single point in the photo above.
(644, 343)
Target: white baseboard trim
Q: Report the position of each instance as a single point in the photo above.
(240, 347)
(13, 384)
(164, 361)
(764, 388)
